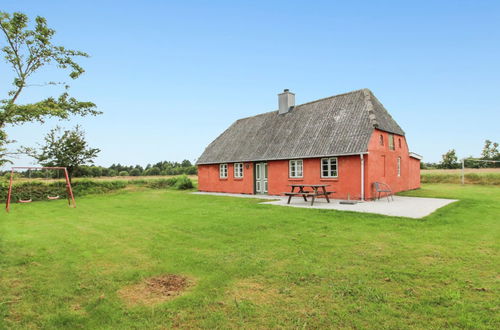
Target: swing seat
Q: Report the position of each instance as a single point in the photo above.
(25, 200)
(53, 197)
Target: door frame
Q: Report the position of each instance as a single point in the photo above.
(257, 167)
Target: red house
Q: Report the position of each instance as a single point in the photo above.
(348, 141)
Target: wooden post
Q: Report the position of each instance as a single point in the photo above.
(463, 171)
(9, 194)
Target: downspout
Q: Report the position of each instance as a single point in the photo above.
(362, 176)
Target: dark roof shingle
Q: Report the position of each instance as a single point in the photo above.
(336, 125)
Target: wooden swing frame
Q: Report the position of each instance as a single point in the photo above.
(69, 190)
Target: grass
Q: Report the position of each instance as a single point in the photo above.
(484, 176)
(254, 266)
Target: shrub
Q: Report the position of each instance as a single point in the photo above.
(38, 190)
(123, 173)
(153, 171)
(183, 183)
(135, 172)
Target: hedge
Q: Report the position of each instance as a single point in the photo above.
(39, 190)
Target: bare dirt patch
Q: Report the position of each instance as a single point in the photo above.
(155, 290)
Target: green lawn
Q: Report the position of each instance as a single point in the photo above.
(254, 266)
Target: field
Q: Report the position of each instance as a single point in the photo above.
(250, 265)
(486, 176)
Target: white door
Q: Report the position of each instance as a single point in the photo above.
(261, 178)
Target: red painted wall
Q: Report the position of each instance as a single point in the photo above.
(348, 181)
(380, 165)
(209, 180)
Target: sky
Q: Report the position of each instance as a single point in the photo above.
(170, 76)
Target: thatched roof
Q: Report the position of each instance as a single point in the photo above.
(333, 126)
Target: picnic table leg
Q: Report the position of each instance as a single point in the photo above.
(326, 195)
(290, 197)
(302, 191)
(312, 200)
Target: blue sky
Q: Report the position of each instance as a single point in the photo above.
(171, 76)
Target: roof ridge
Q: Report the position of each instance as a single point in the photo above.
(318, 100)
(330, 97)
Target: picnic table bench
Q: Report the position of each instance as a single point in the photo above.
(317, 190)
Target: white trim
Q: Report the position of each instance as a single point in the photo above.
(225, 166)
(236, 175)
(330, 167)
(362, 176)
(296, 168)
(417, 156)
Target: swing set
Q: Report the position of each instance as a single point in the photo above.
(50, 196)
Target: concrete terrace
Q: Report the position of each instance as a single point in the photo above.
(410, 207)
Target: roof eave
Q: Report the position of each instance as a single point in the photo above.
(283, 158)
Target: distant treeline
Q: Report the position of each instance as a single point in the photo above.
(490, 157)
(161, 168)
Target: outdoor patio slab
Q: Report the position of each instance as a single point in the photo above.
(410, 207)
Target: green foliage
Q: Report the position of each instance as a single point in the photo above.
(38, 190)
(153, 171)
(180, 183)
(135, 172)
(69, 150)
(470, 178)
(161, 168)
(26, 50)
(449, 160)
(183, 183)
(123, 173)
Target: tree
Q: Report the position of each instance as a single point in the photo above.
(68, 150)
(450, 160)
(26, 51)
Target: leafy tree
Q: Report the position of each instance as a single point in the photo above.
(153, 171)
(450, 160)
(490, 151)
(68, 150)
(135, 172)
(26, 51)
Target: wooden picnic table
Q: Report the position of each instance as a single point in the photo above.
(317, 190)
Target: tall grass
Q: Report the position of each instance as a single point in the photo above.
(486, 178)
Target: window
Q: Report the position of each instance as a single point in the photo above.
(381, 140)
(296, 168)
(391, 141)
(329, 167)
(238, 170)
(399, 140)
(399, 166)
(223, 171)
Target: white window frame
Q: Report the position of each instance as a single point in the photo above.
(238, 170)
(329, 159)
(391, 144)
(399, 166)
(223, 171)
(296, 164)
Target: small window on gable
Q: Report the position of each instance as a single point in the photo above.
(296, 168)
(223, 171)
(381, 139)
(391, 141)
(238, 170)
(399, 140)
